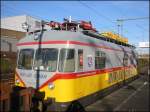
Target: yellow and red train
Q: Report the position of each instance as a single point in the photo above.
(73, 65)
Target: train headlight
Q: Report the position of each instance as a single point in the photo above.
(17, 81)
(36, 36)
(51, 85)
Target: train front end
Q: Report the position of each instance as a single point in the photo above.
(41, 65)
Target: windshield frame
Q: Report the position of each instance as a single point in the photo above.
(35, 59)
(74, 60)
(18, 58)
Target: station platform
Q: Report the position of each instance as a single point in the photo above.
(131, 97)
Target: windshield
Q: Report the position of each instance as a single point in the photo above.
(46, 59)
(25, 59)
(67, 60)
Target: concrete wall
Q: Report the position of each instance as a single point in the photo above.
(15, 23)
(8, 44)
(12, 31)
(34, 23)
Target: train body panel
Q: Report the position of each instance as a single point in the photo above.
(95, 64)
(69, 89)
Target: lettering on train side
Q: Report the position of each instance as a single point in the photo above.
(41, 76)
(115, 76)
(120, 75)
(25, 74)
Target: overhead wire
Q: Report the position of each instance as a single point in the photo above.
(124, 14)
(137, 25)
(133, 19)
(96, 12)
(26, 13)
(101, 15)
(7, 10)
(141, 27)
(90, 8)
(15, 11)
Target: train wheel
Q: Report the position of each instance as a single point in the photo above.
(75, 106)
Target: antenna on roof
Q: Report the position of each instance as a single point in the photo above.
(69, 19)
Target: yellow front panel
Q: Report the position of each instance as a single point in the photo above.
(70, 89)
(18, 82)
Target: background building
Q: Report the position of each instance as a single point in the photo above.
(12, 31)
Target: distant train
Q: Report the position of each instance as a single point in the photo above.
(73, 65)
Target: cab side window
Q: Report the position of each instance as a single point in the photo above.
(25, 59)
(100, 58)
(67, 60)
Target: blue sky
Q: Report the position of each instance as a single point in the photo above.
(103, 14)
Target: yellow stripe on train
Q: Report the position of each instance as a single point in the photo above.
(18, 82)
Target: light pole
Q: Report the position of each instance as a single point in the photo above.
(120, 27)
(120, 23)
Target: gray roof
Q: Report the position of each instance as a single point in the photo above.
(72, 36)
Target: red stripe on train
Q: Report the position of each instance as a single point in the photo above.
(68, 42)
(81, 74)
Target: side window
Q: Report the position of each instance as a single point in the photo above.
(100, 59)
(80, 60)
(67, 60)
(25, 59)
